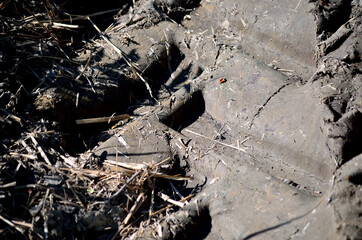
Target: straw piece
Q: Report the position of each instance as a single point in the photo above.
(102, 119)
(133, 166)
(171, 177)
(42, 153)
(33, 157)
(168, 199)
(12, 116)
(215, 141)
(63, 25)
(125, 58)
(134, 208)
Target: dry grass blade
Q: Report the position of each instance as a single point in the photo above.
(84, 17)
(23, 224)
(133, 166)
(44, 26)
(126, 59)
(102, 119)
(46, 180)
(63, 25)
(171, 177)
(87, 172)
(215, 141)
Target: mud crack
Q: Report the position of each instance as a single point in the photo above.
(266, 103)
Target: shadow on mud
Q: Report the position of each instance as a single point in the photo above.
(187, 114)
(176, 10)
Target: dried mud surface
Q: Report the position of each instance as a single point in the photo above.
(171, 119)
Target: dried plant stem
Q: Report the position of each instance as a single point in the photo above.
(177, 192)
(171, 205)
(102, 119)
(42, 153)
(134, 208)
(124, 186)
(215, 141)
(75, 194)
(10, 223)
(170, 200)
(84, 69)
(125, 58)
(12, 116)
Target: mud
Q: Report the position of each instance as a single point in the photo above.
(260, 102)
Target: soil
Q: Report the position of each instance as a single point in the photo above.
(173, 119)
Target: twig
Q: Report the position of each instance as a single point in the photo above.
(218, 142)
(87, 172)
(125, 58)
(285, 70)
(164, 161)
